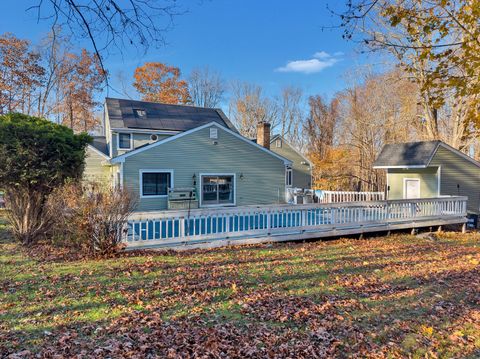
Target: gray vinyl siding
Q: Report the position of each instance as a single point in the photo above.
(139, 139)
(94, 170)
(457, 170)
(428, 181)
(263, 174)
(301, 173)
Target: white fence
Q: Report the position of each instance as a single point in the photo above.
(176, 228)
(345, 196)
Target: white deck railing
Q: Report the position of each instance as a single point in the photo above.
(347, 196)
(173, 228)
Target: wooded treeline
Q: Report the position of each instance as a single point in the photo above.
(430, 90)
(52, 80)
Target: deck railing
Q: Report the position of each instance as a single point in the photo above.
(347, 196)
(172, 228)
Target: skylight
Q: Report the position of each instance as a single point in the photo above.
(139, 113)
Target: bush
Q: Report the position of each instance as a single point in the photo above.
(91, 217)
(36, 156)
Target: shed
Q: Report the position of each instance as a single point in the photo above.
(430, 169)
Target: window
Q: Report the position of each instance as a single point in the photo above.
(153, 137)
(214, 133)
(139, 113)
(124, 141)
(218, 190)
(155, 183)
(278, 143)
(288, 176)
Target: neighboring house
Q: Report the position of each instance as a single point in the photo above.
(151, 147)
(430, 169)
(299, 175)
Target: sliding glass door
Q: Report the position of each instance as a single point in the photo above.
(218, 189)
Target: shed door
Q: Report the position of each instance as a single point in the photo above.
(411, 189)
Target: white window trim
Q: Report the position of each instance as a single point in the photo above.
(286, 176)
(439, 180)
(118, 141)
(405, 186)
(220, 204)
(155, 170)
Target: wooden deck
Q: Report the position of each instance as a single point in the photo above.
(201, 228)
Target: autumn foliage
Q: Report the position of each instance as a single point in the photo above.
(90, 217)
(157, 82)
(20, 74)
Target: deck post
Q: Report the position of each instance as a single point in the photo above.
(464, 228)
(439, 229)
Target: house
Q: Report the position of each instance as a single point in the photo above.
(430, 169)
(149, 148)
(299, 175)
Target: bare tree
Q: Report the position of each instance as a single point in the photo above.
(206, 87)
(438, 44)
(378, 110)
(249, 106)
(320, 124)
(291, 115)
(108, 23)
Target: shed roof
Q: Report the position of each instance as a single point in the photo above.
(413, 154)
(160, 116)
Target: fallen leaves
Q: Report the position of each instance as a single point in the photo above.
(385, 297)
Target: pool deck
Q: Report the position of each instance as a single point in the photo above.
(206, 228)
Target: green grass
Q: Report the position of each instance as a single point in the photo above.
(390, 296)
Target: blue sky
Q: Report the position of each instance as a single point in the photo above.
(270, 43)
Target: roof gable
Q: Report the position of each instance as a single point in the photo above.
(410, 154)
(124, 114)
(147, 147)
(413, 154)
(279, 137)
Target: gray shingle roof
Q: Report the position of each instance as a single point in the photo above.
(100, 143)
(161, 116)
(407, 154)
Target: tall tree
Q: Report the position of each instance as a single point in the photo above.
(206, 87)
(438, 43)
(329, 169)
(320, 124)
(158, 82)
(290, 115)
(80, 77)
(249, 106)
(376, 110)
(20, 74)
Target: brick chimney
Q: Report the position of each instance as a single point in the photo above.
(263, 134)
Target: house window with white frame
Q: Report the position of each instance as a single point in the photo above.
(155, 183)
(124, 141)
(218, 190)
(278, 143)
(288, 176)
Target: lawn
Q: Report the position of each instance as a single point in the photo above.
(381, 297)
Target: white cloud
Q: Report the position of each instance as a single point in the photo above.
(321, 55)
(321, 60)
